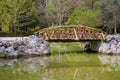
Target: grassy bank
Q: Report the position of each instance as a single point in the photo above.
(19, 34)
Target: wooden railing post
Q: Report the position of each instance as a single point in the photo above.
(71, 33)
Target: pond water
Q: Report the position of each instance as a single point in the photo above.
(67, 66)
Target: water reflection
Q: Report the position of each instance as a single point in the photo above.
(113, 62)
(35, 68)
(29, 65)
(47, 78)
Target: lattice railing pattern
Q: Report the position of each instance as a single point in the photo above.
(77, 33)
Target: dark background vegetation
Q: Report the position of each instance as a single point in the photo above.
(23, 17)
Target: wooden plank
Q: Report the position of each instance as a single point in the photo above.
(70, 33)
(76, 36)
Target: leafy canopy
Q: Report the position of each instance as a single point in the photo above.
(86, 16)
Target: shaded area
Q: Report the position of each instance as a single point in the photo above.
(18, 34)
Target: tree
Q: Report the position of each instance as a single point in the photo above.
(18, 14)
(42, 13)
(27, 16)
(84, 15)
(110, 10)
(60, 9)
(3, 13)
(89, 3)
(55, 11)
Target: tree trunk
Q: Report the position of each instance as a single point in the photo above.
(60, 12)
(15, 29)
(115, 25)
(26, 29)
(92, 4)
(60, 19)
(34, 28)
(0, 28)
(115, 30)
(47, 16)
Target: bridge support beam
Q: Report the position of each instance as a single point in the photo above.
(95, 45)
(92, 46)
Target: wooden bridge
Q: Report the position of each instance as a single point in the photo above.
(71, 33)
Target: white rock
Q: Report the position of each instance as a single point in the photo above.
(113, 42)
(23, 49)
(15, 44)
(10, 51)
(113, 46)
(2, 51)
(26, 46)
(118, 51)
(6, 44)
(29, 51)
(100, 49)
(26, 41)
(109, 37)
(118, 45)
(46, 51)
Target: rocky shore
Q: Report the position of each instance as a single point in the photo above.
(31, 45)
(112, 45)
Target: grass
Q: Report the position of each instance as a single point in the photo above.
(5, 32)
(18, 34)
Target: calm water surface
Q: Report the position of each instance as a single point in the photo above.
(72, 66)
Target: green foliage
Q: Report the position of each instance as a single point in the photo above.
(18, 34)
(86, 16)
(25, 15)
(110, 10)
(55, 11)
(5, 29)
(3, 12)
(18, 15)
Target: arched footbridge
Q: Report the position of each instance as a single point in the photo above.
(71, 33)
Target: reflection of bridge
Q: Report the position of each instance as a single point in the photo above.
(71, 33)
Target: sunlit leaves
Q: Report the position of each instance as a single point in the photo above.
(85, 16)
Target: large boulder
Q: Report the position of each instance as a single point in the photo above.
(2, 51)
(31, 45)
(11, 52)
(112, 46)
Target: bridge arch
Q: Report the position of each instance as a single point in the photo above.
(71, 33)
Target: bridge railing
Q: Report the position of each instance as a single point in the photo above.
(71, 33)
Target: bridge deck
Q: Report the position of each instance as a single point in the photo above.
(71, 33)
(60, 40)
